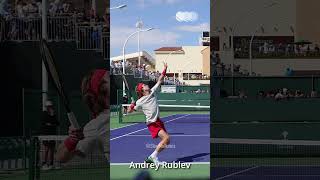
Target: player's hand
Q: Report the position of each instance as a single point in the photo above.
(165, 65)
(75, 134)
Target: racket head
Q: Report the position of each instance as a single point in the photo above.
(127, 86)
(48, 60)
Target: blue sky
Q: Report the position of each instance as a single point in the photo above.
(159, 14)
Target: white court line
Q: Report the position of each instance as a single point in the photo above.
(126, 164)
(175, 135)
(124, 126)
(137, 123)
(239, 172)
(146, 128)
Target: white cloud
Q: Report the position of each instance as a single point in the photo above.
(195, 28)
(118, 35)
(186, 16)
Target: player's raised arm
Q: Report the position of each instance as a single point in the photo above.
(163, 74)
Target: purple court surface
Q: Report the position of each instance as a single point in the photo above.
(190, 140)
(266, 173)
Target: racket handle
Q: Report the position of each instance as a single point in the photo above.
(73, 120)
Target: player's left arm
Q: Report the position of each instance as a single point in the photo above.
(161, 78)
(67, 150)
(134, 107)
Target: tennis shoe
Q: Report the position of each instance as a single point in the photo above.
(154, 160)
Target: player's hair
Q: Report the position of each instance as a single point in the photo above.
(139, 91)
(97, 103)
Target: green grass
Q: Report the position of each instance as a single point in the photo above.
(62, 174)
(197, 171)
(18, 175)
(75, 174)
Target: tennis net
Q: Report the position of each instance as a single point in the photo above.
(165, 111)
(265, 151)
(93, 166)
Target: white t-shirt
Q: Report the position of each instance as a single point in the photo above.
(95, 135)
(149, 105)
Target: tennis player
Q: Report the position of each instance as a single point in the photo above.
(95, 91)
(147, 102)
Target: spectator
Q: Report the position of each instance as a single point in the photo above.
(49, 127)
(265, 48)
(316, 48)
(289, 72)
(285, 93)
(314, 94)
(270, 94)
(261, 95)
(288, 49)
(299, 94)
(19, 9)
(4, 7)
(279, 95)
(242, 94)
(125, 100)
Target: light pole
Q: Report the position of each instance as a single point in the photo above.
(234, 30)
(44, 70)
(139, 26)
(124, 55)
(250, 47)
(118, 7)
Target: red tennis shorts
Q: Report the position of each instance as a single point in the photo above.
(155, 127)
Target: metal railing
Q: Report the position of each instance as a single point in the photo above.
(2, 29)
(61, 28)
(89, 36)
(23, 29)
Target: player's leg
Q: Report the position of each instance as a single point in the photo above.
(157, 129)
(165, 140)
(51, 152)
(45, 156)
(46, 149)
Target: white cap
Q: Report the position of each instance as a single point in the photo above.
(49, 103)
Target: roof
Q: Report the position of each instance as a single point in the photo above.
(205, 49)
(169, 49)
(134, 55)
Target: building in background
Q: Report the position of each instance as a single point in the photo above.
(186, 64)
(204, 40)
(147, 63)
(276, 28)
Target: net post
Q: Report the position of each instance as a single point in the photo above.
(32, 160)
(120, 109)
(37, 158)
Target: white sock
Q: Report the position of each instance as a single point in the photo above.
(154, 154)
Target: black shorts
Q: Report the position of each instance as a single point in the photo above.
(49, 143)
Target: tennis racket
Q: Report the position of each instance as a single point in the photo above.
(48, 60)
(127, 86)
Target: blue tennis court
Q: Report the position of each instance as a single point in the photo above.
(190, 140)
(248, 159)
(189, 143)
(266, 172)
